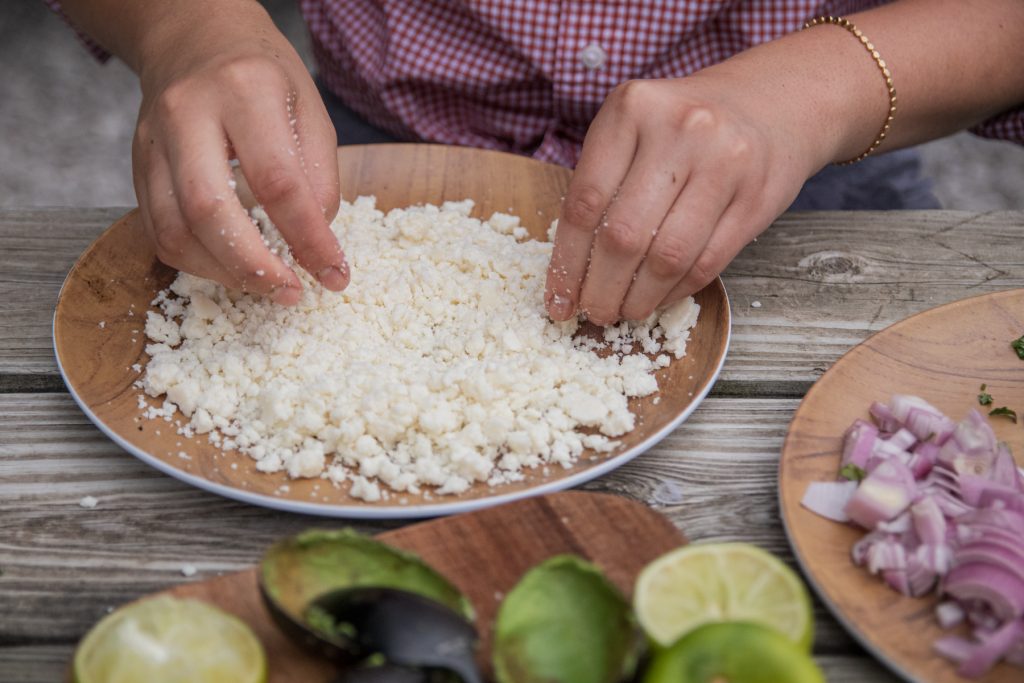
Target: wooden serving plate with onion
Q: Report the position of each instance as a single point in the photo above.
(942, 355)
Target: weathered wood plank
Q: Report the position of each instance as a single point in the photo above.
(715, 478)
(37, 249)
(824, 282)
(47, 664)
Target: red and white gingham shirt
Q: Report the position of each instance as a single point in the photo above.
(527, 76)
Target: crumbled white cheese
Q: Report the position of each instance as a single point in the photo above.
(188, 570)
(438, 366)
(89, 502)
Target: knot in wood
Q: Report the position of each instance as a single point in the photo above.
(833, 266)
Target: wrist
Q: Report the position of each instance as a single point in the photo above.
(823, 88)
(175, 34)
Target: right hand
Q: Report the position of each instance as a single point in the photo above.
(236, 88)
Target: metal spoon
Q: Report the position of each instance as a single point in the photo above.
(408, 629)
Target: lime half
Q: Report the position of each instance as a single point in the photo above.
(734, 652)
(708, 583)
(167, 639)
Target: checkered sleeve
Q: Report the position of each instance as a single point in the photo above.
(92, 46)
(1006, 126)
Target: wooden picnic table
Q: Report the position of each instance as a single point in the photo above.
(809, 289)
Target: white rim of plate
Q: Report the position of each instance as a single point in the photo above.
(373, 512)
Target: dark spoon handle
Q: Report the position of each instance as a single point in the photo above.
(383, 674)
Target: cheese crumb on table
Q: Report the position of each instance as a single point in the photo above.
(89, 502)
(437, 368)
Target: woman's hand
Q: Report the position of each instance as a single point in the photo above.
(231, 86)
(676, 176)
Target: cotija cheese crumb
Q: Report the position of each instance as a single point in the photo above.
(438, 367)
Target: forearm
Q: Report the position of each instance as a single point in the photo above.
(953, 63)
(135, 30)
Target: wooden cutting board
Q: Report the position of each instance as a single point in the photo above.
(484, 553)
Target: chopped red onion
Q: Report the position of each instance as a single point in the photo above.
(953, 648)
(992, 649)
(949, 614)
(903, 439)
(922, 418)
(941, 500)
(829, 498)
(886, 555)
(857, 444)
(886, 492)
(929, 522)
(884, 417)
(1000, 590)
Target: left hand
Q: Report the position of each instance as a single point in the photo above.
(676, 176)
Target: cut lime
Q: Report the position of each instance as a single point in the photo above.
(734, 652)
(167, 639)
(707, 583)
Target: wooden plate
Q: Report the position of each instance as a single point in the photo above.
(102, 308)
(484, 554)
(942, 355)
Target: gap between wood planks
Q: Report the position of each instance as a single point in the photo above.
(43, 383)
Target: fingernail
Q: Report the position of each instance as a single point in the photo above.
(561, 307)
(285, 295)
(334, 278)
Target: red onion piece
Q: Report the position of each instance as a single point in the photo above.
(972, 448)
(903, 439)
(953, 648)
(1008, 558)
(992, 649)
(857, 444)
(885, 555)
(949, 614)
(929, 522)
(882, 495)
(923, 419)
(829, 498)
(1000, 590)
(884, 417)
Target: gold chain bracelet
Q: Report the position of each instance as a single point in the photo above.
(869, 46)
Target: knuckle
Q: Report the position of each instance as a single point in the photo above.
(200, 204)
(637, 310)
(600, 315)
(258, 280)
(170, 243)
(700, 120)
(738, 148)
(314, 248)
(246, 72)
(175, 99)
(669, 258)
(634, 95)
(704, 270)
(622, 237)
(584, 206)
(275, 186)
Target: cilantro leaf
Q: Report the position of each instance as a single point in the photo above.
(1018, 346)
(1004, 412)
(852, 472)
(984, 398)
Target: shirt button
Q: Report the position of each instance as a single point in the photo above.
(593, 56)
